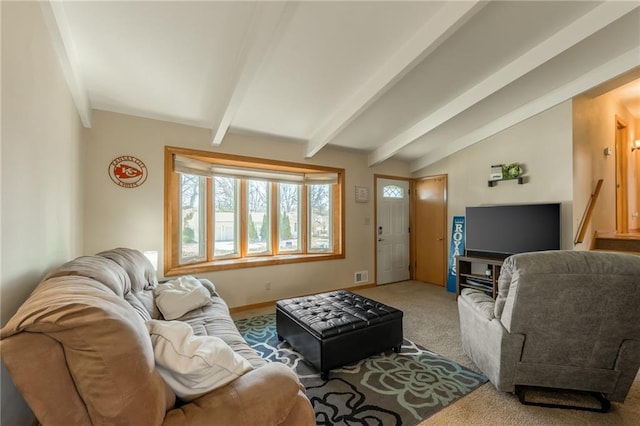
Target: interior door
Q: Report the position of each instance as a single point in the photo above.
(392, 230)
(430, 230)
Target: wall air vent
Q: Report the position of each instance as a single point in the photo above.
(361, 277)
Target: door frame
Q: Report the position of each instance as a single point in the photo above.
(622, 175)
(375, 222)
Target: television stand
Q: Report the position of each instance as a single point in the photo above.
(466, 278)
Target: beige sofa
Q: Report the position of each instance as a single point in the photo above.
(80, 354)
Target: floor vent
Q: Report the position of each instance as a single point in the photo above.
(361, 277)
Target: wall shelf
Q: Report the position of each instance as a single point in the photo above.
(494, 182)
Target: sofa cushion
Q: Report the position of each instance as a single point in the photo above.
(215, 320)
(106, 272)
(138, 267)
(193, 365)
(98, 268)
(177, 297)
(141, 274)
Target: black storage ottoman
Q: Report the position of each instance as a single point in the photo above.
(334, 329)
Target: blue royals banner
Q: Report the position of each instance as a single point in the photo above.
(457, 248)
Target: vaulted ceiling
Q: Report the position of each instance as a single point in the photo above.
(410, 80)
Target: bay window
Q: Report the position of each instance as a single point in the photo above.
(226, 211)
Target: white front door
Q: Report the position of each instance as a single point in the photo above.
(392, 230)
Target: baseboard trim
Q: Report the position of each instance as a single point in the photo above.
(273, 302)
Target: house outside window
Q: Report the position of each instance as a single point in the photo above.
(226, 212)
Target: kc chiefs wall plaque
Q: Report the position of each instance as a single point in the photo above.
(127, 171)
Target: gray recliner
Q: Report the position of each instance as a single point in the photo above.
(562, 320)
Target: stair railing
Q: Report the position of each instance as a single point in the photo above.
(586, 217)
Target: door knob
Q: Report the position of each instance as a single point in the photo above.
(380, 239)
(439, 238)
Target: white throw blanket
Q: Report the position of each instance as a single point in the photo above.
(177, 297)
(193, 365)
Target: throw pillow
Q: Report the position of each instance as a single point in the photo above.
(193, 365)
(177, 297)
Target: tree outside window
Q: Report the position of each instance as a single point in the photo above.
(192, 218)
(320, 222)
(225, 200)
(258, 203)
(289, 217)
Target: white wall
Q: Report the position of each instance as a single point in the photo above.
(542, 144)
(594, 130)
(134, 217)
(41, 176)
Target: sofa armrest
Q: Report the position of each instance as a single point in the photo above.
(482, 303)
(487, 343)
(264, 396)
(39, 370)
(209, 286)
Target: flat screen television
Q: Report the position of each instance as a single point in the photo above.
(498, 231)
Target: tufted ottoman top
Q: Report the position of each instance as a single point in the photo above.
(334, 313)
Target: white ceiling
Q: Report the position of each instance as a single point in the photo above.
(629, 95)
(410, 80)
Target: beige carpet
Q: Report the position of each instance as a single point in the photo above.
(431, 320)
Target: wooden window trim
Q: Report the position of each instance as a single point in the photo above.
(172, 229)
(209, 219)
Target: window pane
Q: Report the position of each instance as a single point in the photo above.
(258, 221)
(192, 214)
(320, 218)
(288, 217)
(225, 219)
(392, 191)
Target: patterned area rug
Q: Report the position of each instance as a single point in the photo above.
(385, 389)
